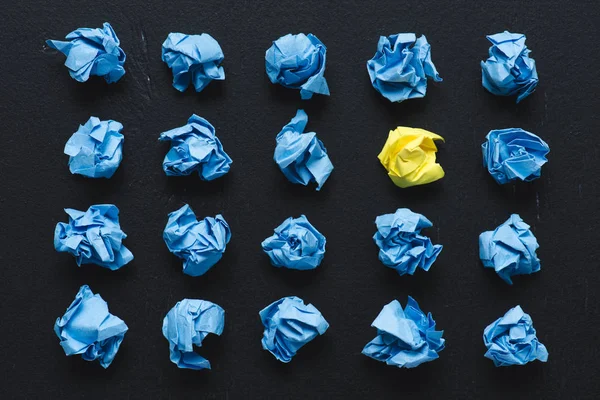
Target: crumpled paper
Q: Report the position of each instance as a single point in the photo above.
(514, 154)
(409, 157)
(200, 244)
(289, 325)
(405, 338)
(400, 67)
(509, 71)
(92, 51)
(186, 325)
(300, 155)
(96, 149)
(93, 237)
(298, 62)
(509, 249)
(512, 340)
(401, 245)
(194, 59)
(195, 148)
(296, 244)
(87, 328)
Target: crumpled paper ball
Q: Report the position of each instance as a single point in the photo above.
(87, 328)
(200, 244)
(300, 155)
(93, 237)
(509, 71)
(296, 244)
(96, 149)
(92, 51)
(186, 325)
(514, 154)
(298, 62)
(193, 59)
(400, 67)
(512, 340)
(510, 249)
(289, 325)
(409, 157)
(401, 245)
(195, 148)
(405, 338)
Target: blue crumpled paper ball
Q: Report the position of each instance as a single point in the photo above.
(92, 51)
(514, 154)
(512, 340)
(195, 148)
(186, 325)
(509, 71)
(301, 156)
(200, 244)
(193, 59)
(401, 245)
(296, 244)
(509, 249)
(405, 338)
(289, 325)
(93, 237)
(400, 67)
(96, 149)
(87, 328)
(298, 62)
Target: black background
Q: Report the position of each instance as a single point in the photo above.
(41, 107)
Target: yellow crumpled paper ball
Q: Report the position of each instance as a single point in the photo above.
(409, 157)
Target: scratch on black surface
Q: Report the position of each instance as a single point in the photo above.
(537, 205)
(145, 44)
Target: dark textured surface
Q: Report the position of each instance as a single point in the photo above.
(42, 107)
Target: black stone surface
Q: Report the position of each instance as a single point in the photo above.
(41, 107)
